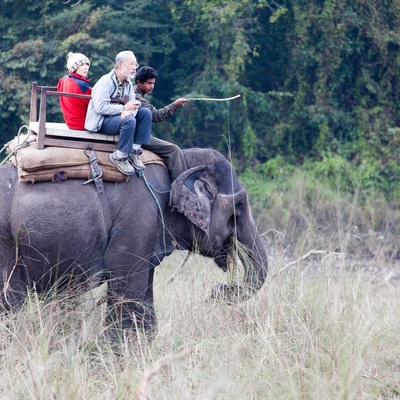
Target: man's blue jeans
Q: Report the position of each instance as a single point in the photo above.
(130, 129)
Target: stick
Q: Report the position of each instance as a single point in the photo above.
(311, 252)
(209, 99)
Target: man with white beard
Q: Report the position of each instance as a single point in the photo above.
(113, 110)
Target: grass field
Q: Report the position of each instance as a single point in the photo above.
(320, 328)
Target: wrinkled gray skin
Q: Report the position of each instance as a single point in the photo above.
(53, 235)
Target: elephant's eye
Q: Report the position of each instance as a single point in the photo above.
(240, 206)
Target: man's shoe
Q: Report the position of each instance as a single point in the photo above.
(122, 164)
(137, 160)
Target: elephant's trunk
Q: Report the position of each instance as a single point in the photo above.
(253, 255)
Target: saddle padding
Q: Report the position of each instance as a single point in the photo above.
(43, 165)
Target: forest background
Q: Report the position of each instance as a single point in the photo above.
(319, 106)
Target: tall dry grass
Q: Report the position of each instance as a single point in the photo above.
(318, 329)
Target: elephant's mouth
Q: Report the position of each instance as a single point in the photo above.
(230, 253)
(222, 261)
(224, 253)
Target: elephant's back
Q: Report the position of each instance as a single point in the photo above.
(80, 203)
(140, 193)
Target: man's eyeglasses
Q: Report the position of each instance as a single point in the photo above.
(132, 64)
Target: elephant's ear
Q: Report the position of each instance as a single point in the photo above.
(191, 195)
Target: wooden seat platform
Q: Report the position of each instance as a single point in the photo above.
(58, 134)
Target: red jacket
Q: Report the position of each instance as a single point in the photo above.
(73, 108)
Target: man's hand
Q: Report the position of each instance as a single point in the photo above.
(125, 114)
(129, 107)
(132, 105)
(180, 102)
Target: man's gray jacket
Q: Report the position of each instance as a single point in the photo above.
(100, 104)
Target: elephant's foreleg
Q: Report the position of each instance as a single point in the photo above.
(131, 312)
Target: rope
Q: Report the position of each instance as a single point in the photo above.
(25, 143)
(211, 99)
(152, 190)
(158, 191)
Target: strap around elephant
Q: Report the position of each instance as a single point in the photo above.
(97, 174)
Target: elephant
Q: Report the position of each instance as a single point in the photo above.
(55, 236)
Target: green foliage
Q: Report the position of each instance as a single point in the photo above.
(249, 143)
(315, 192)
(277, 169)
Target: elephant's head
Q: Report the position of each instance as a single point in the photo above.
(211, 197)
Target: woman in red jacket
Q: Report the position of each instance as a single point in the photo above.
(74, 108)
